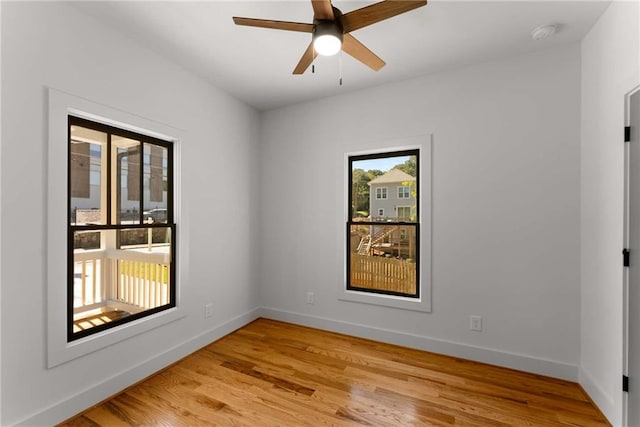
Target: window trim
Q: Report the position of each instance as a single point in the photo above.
(61, 104)
(424, 143)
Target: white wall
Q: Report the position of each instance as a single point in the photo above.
(610, 69)
(506, 209)
(52, 44)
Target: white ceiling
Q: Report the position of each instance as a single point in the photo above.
(255, 64)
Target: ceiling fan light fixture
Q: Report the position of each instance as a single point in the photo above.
(327, 38)
(327, 45)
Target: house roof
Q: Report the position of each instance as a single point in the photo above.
(393, 176)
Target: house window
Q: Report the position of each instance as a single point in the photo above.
(404, 213)
(404, 192)
(121, 231)
(383, 257)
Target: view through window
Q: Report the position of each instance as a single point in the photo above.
(383, 226)
(121, 244)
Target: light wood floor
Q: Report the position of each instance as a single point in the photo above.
(277, 374)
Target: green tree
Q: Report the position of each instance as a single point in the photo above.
(360, 190)
(408, 167)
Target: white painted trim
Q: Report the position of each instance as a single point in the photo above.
(380, 193)
(84, 399)
(1, 216)
(423, 143)
(596, 393)
(61, 104)
(625, 271)
(520, 362)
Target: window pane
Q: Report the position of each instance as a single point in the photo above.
(88, 280)
(87, 175)
(373, 188)
(143, 265)
(156, 161)
(113, 284)
(125, 180)
(403, 213)
(382, 258)
(152, 239)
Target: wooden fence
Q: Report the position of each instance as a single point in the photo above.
(384, 274)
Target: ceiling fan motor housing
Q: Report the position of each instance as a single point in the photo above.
(324, 27)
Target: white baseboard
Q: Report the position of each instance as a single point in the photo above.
(604, 401)
(84, 399)
(486, 355)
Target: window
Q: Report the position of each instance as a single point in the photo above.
(404, 213)
(121, 232)
(383, 253)
(404, 192)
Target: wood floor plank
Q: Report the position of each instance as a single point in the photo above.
(271, 373)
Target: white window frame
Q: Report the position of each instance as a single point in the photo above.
(401, 192)
(379, 193)
(424, 144)
(380, 211)
(62, 104)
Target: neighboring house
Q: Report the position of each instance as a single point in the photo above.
(390, 196)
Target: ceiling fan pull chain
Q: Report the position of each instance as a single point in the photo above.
(340, 62)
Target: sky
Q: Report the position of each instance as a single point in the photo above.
(383, 164)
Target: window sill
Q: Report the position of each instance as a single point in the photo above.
(392, 301)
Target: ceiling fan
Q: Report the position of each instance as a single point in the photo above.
(331, 29)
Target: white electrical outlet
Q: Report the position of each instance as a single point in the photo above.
(208, 310)
(475, 323)
(310, 298)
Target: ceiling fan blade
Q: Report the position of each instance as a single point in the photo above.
(377, 12)
(353, 47)
(322, 9)
(277, 25)
(307, 58)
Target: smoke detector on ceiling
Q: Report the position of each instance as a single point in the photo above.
(543, 31)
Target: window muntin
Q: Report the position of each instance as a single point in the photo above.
(121, 265)
(383, 251)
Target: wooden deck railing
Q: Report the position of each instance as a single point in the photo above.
(384, 274)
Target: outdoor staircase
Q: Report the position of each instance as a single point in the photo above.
(380, 236)
(367, 241)
(365, 245)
